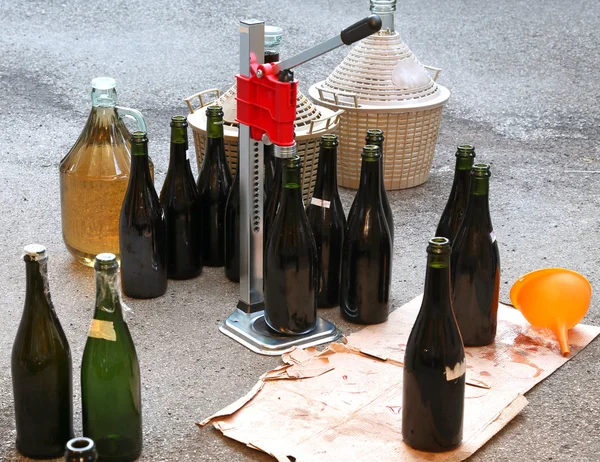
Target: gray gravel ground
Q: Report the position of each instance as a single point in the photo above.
(525, 91)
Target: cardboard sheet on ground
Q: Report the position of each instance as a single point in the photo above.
(345, 402)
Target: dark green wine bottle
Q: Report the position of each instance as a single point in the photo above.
(291, 264)
(110, 373)
(434, 363)
(179, 198)
(476, 266)
(375, 136)
(367, 251)
(81, 450)
(459, 194)
(214, 183)
(41, 368)
(142, 229)
(327, 220)
(272, 202)
(232, 229)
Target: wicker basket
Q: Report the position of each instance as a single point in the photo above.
(381, 84)
(312, 121)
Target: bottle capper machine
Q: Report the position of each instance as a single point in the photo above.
(266, 110)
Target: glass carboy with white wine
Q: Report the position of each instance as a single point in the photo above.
(94, 176)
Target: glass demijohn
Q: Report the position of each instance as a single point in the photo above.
(94, 176)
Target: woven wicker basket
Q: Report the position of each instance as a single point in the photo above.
(381, 84)
(312, 121)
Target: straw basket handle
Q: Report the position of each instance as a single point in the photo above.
(339, 99)
(325, 122)
(200, 95)
(436, 71)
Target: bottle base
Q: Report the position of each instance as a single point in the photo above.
(287, 332)
(430, 448)
(42, 455)
(359, 320)
(86, 258)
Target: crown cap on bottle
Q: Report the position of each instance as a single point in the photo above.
(106, 261)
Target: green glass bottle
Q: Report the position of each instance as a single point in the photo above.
(459, 194)
(327, 220)
(367, 251)
(214, 183)
(291, 264)
(476, 266)
(110, 373)
(41, 368)
(142, 229)
(179, 198)
(434, 363)
(81, 449)
(375, 136)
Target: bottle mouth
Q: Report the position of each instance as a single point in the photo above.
(329, 140)
(214, 111)
(105, 261)
(104, 83)
(35, 252)
(80, 444)
(139, 137)
(179, 120)
(465, 150)
(481, 170)
(371, 153)
(439, 246)
(293, 162)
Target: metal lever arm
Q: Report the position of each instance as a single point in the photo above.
(348, 36)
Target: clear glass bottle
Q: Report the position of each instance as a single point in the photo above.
(94, 176)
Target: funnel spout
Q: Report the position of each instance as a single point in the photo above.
(562, 333)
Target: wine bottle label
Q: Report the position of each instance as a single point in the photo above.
(320, 202)
(102, 329)
(459, 369)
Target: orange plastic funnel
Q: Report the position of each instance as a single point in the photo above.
(555, 298)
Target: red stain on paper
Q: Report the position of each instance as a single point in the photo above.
(394, 409)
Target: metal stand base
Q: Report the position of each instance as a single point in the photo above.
(252, 331)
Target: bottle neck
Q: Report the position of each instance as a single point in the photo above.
(37, 281)
(108, 293)
(326, 184)
(140, 167)
(385, 10)
(291, 188)
(436, 294)
(370, 178)
(178, 157)
(214, 127)
(478, 208)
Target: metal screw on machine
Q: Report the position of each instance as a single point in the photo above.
(266, 110)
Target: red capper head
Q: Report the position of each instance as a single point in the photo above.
(267, 105)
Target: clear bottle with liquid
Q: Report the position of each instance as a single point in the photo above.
(94, 176)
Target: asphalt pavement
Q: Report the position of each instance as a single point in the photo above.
(523, 77)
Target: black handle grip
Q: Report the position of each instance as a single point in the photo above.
(361, 29)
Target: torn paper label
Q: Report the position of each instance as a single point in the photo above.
(320, 202)
(102, 329)
(459, 369)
